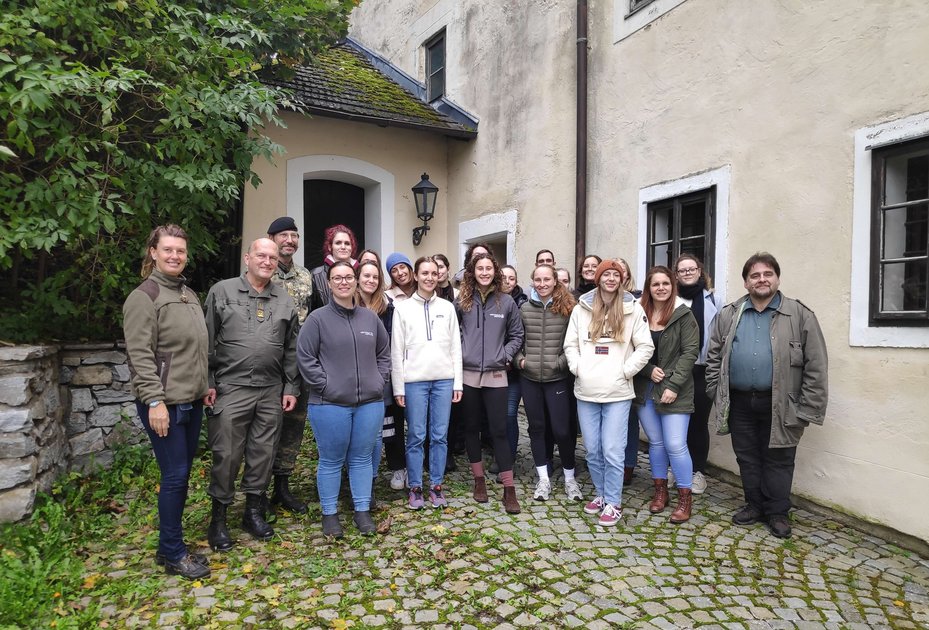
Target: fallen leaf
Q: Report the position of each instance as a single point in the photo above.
(247, 567)
(91, 580)
(197, 584)
(899, 603)
(384, 526)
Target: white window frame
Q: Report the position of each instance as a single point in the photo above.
(626, 23)
(486, 228)
(719, 177)
(860, 333)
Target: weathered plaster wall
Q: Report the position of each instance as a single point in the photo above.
(512, 66)
(404, 153)
(777, 92)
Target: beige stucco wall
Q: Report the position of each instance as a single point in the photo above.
(404, 153)
(522, 94)
(774, 92)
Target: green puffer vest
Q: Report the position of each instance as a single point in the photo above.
(543, 348)
(676, 354)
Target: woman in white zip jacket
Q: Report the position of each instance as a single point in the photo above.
(606, 344)
(426, 372)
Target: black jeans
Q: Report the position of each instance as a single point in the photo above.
(767, 473)
(491, 401)
(555, 399)
(698, 432)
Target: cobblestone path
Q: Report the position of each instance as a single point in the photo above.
(473, 566)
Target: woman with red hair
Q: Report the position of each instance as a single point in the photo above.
(339, 244)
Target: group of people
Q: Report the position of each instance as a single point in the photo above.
(416, 368)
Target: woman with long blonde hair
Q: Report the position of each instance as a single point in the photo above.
(606, 345)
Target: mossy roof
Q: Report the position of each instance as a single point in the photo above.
(341, 82)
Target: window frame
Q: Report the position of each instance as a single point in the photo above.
(676, 204)
(430, 44)
(879, 159)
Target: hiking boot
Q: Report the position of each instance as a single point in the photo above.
(331, 526)
(748, 515)
(398, 481)
(510, 503)
(253, 521)
(187, 567)
(416, 498)
(218, 534)
(779, 525)
(437, 497)
(364, 522)
(681, 513)
(573, 490)
(543, 490)
(698, 485)
(660, 500)
(595, 506)
(160, 559)
(282, 495)
(610, 515)
(480, 490)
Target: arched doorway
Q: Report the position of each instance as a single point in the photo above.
(328, 202)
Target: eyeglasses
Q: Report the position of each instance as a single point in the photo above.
(342, 279)
(688, 272)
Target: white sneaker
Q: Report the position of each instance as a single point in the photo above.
(573, 490)
(543, 490)
(698, 486)
(398, 481)
(610, 515)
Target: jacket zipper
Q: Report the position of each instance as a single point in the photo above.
(357, 371)
(428, 325)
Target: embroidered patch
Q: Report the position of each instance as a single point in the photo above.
(601, 349)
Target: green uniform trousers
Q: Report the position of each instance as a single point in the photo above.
(292, 430)
(246, 421)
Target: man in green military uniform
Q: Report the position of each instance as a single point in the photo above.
(253, 379)
(299, 284)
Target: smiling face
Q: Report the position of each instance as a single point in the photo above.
(610, 281)
(427, 277)
(762, 282)
(509, 279)
(261, 260)
(288, 242)
(544, 282)
(342, 282)
(443, 270)
(660, 288)
(369, 278)
(170, 255)
(402, 275)
(484, 272)
(341, 246)
(589, 269)
(688, 272)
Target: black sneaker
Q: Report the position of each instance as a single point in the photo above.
(779, 525)
(747, 515)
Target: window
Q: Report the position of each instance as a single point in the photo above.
(900, 234)
(682, 224)
(635, 5)
(435, 67)
(631, 15)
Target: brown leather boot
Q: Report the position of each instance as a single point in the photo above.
(684, 502)
(510, 504)
(480, 490)
(660, 500)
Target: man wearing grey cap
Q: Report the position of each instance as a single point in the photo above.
(298, 282)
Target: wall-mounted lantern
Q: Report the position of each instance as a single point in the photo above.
(424, 194)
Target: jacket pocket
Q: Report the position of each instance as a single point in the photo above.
(163, 367)
(790, 414)
(796, 354)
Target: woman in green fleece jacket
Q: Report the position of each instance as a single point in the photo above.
(166, 340)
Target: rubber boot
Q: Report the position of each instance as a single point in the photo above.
(252, 519)
(282, 495)
(681, 513)
(660, 500)
(480, 490)
(218, 534)
(510, 503)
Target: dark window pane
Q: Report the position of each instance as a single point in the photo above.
(905, 232)
(435, 68)
(695, 246)
(904, 286)
(693, 218)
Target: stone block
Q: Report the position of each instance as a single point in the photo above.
(121, 373)
(15, 390)
(105, 396)
(104, 357)
(70, 359)
(51, 400)
(76, 423)
(92, 375)
(82, 400)
(105, 416)
(65, 374)
(26, 353)
(16, 503)
(88, 442)
(12, 420)
(53, 455)
(14, 472)
(16, 445)
(38, 409)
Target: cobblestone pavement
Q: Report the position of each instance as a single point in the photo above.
(552, 566)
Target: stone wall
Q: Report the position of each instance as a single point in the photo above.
(60, 409)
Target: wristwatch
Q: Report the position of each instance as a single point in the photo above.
(154, 403)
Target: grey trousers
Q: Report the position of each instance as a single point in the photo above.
(292, 428)
(246, 421)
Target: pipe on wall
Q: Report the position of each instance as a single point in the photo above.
(580, 204)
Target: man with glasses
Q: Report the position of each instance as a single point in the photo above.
(767, 375)
(253, 379)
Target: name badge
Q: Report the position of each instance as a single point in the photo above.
(601, 349)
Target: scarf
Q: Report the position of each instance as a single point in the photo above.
(694, 292)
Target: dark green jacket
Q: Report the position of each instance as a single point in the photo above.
(543, 348)
(676, 354)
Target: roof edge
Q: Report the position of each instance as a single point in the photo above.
(411, 85)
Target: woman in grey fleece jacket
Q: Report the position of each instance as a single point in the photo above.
(343, 352)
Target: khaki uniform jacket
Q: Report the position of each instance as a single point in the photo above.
(800, 386)
(166, 340)
(676, 353)
(253, 336)
(299, 284)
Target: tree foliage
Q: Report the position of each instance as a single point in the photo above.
(118, 116)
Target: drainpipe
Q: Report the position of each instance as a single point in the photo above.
(580, 206)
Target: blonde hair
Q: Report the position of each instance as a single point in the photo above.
(378, 302)
(562, 300)
(607, 319)
(148, 263)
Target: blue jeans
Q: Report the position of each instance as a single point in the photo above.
(632, 441)
(432, 398)
(513, 395)
(667, 440)
(175, 455)
(604, 427)
(345, 435)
